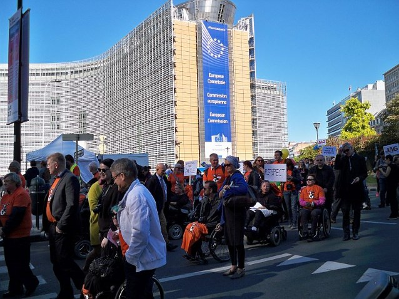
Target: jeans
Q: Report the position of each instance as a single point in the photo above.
(138, 284)
(291, 201)
(314, 215)
(383, 190)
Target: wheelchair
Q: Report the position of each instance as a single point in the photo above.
(323, 229)
(270, 232)
(215, 245)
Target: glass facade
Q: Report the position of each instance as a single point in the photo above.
(145, 94)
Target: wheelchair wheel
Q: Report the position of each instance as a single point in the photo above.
(218, 247)
(275, 236)
(82, 248)
(157, 290)
(175, 231)
(326, 223)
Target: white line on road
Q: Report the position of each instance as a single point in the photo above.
(219, 269)
(376, 222)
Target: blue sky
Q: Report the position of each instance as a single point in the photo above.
(318, 47)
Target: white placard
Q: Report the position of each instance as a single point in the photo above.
(322, 142)
(329, 151)
(392, 149)
(276, 172)
(190, 168)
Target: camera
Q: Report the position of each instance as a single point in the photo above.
(98, 208)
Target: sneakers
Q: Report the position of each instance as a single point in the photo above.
(346, 237)
(229, 272)
(355, 237)
(239, 273)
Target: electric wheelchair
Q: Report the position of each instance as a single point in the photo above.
(270, 232)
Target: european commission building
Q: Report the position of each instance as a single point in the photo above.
(180, 85)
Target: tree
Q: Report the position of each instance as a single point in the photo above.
(358, 119)
(391, 120)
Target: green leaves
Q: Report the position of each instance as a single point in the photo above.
(357, 120)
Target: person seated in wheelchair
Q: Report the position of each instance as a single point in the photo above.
(311, 200)
(206, 216)
(266, 211)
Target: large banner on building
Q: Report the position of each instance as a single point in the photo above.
(215, 56)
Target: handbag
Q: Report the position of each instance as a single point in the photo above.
(239, 201)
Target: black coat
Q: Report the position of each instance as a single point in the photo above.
(64, 204)
(350, 168)
(155, 188)
(325, 177)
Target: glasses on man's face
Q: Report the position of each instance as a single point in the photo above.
(103, 170)
(115, 177)
(227, 164)
(319, 160)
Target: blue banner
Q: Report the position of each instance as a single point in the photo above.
(215, 55)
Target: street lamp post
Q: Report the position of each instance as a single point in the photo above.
(317, 126)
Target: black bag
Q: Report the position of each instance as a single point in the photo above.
(242, 201)
(104, 272)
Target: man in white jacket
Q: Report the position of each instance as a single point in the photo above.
(141, 239)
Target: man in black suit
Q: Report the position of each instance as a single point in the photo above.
(350, 189)
(324, 178)
(61, 221)
(159, 187)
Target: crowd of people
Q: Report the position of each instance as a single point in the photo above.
(129, 207)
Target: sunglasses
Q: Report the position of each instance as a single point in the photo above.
(103, 170)
(227, 165)
(310, 179)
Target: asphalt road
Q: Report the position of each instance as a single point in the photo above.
(330, 268)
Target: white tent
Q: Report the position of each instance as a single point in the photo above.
(66, 147)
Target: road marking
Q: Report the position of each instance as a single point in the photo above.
(331, 266)
(4, 283)
(220, 269)
(377, 222)
(46, 296)
(297, 259)
(3, 269)
(370, 272)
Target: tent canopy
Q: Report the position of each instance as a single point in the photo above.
(66, 147)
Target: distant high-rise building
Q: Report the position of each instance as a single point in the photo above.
(180, 85)
(391, 79)
(372, 93)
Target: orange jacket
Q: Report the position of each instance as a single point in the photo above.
(193, 232)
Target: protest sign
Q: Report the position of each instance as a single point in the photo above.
(190, 168)
(329, 151)
(392, 149)
(276, 172)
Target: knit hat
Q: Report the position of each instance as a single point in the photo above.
(233, 160)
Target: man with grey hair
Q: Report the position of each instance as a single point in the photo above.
(353, 172)
(142, 242)
(15, 166)
(60, 220)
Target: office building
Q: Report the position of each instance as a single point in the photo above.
(180, 85)
(391, 79)
(372, 93)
